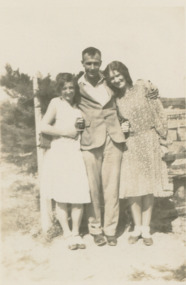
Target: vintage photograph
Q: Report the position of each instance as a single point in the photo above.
(93, 142)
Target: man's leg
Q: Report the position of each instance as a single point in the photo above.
(110, 179)
(93, 162)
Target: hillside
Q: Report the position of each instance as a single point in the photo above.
(176, 103)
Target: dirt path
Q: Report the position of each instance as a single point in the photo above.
(28, 260)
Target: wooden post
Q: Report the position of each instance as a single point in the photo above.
(38, 117)
(45, 203)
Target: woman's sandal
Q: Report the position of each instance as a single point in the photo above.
(133, 239)
(71, 243)
(80, 242)
(147, 241)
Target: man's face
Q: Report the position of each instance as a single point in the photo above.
(92, 65)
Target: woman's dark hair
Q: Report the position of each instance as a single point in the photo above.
(63, 78)
(121, 68)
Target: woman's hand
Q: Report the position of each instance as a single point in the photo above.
(125, 127)
(80, 124)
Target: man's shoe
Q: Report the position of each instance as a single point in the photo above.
(148, 241)
(111, 240)
(133, 239)
(99, 239)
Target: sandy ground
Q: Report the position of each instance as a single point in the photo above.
(28, 260)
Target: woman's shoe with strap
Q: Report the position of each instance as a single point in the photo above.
(71, 243)
(80, 242)
(147, 238)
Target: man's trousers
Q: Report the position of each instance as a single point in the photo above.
(103, 166)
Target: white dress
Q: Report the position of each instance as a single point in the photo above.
(64, 176)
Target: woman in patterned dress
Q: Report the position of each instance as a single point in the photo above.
(143, 172)
(64, 177)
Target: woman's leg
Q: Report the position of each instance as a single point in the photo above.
(136, 209)
(76, 215)
(147, 206)
(62, 216)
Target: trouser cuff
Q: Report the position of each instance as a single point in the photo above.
(108, 233)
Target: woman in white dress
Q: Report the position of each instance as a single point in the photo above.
(64, 177)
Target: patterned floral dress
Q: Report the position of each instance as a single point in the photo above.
(143, 171)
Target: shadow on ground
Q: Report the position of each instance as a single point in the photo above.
(167, 274)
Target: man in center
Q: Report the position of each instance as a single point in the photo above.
(102, 145)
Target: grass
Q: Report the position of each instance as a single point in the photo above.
(20, 211)
(20, 205)
(178, 274)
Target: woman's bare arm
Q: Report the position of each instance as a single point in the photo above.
(47, 128)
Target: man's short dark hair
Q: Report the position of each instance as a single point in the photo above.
(91, 51)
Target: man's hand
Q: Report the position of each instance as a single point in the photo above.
(153, 92)
(125, 127)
